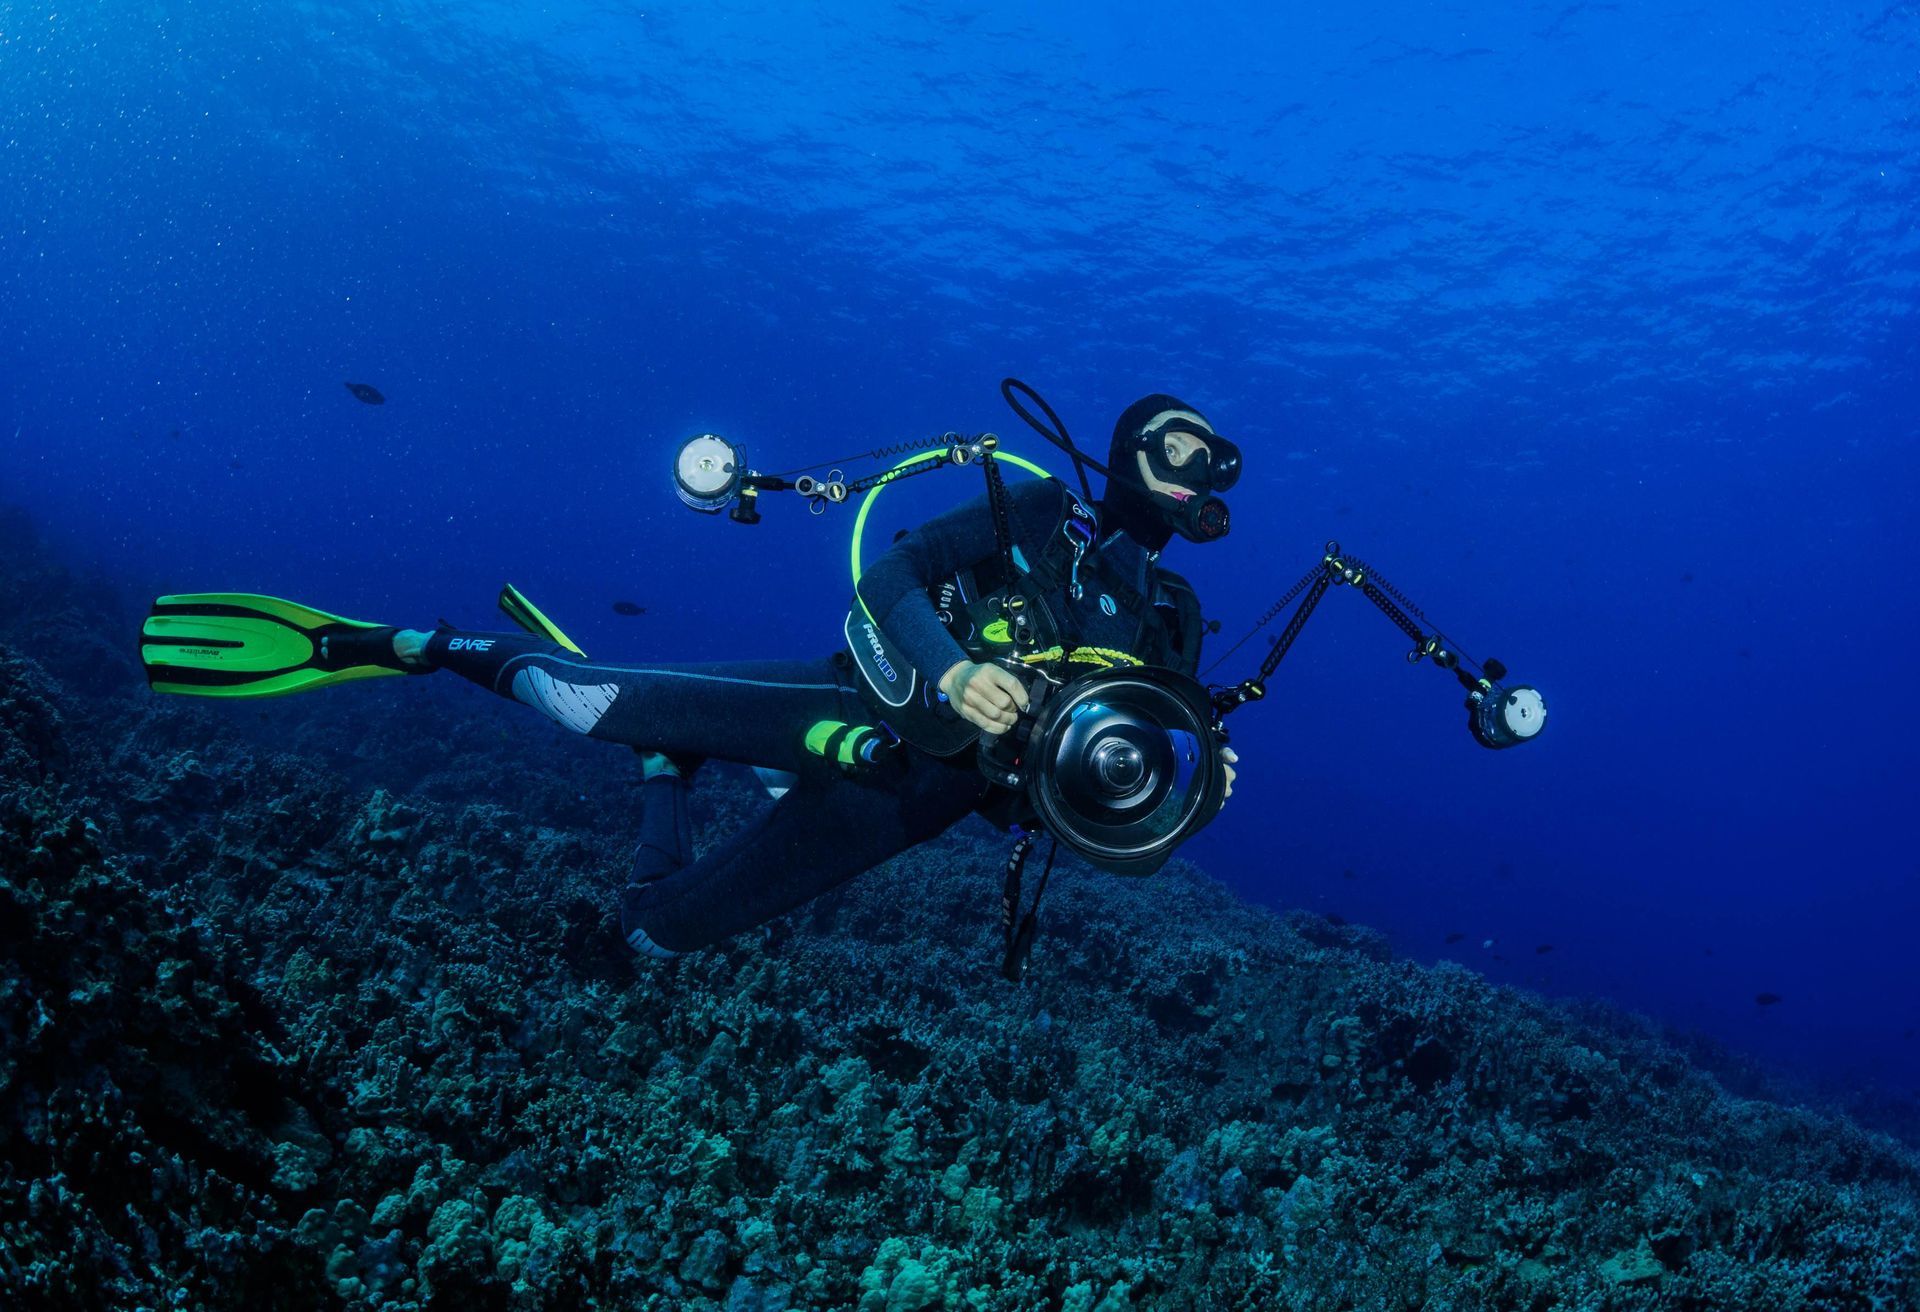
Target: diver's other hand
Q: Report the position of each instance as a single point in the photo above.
(1228, 759)
(987, 697)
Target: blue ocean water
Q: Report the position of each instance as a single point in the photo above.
(1593, 326)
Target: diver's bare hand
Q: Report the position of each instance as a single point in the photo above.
(987, 697)
(1228, 759)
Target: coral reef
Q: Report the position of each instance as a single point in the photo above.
(284, 1030)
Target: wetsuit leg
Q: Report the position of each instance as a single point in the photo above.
(752, 712)
(666, 830)
(828, 829)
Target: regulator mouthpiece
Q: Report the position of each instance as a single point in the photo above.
(707, 473)
(1199, 518)
(1505, 717)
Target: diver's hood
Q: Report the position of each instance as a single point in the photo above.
(1152, 517)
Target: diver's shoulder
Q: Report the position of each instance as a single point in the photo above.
(1037, 492)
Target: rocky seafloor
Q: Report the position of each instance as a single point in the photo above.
(320, 1003)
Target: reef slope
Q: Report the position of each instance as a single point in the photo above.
(348, 1025)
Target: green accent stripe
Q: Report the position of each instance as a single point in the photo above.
(290, 612)
(821, 733)
(866, 507)
(837, 745)
(856, 741)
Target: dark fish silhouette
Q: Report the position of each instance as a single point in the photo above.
(1766, 999)
(1455, 937)
(366, 392)
(1543, 949)
(628, 608)
(1686, 578)
(1348, 873)
(1334, 920)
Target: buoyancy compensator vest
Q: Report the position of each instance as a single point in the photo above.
(1027, 618)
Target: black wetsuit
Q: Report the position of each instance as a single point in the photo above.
(830, 825)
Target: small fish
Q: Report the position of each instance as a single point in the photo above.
(628, 608)
(1766, 999)
(1687, 577)
(1487, 944)
(1335, 920)
(1543, 949)
(367, 393)
(1348, 873)
(1455, 937)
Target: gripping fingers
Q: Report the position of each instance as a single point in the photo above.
(1010, 695)
(993, 710)
(1005, 684)
(987, 697)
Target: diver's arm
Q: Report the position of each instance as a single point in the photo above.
(894, 588)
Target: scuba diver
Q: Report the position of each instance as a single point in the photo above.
(883, 745)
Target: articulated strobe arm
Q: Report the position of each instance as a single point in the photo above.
(1497, 715)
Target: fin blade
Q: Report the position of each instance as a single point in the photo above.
(237, 643)
(531, 618)
(279, 608)
(240, 644)
(278, 685)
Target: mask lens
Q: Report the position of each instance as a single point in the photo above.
(1211, 467)
(1223, 463)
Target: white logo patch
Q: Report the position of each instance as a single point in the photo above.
(579, 706)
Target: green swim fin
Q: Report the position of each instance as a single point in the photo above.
(530, 617)
(240, 644)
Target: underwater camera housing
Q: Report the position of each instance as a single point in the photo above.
(1121, 765)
